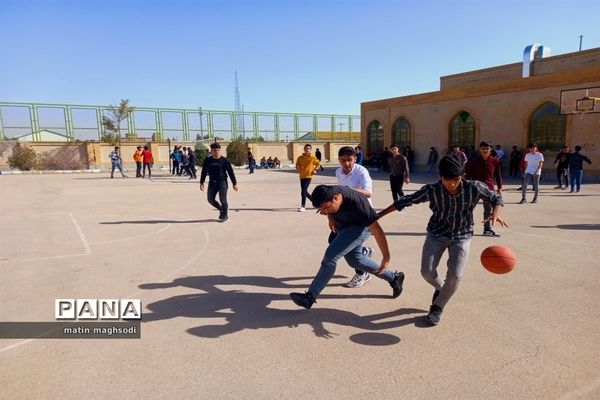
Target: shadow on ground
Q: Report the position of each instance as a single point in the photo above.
(579, 227)
(243, 310)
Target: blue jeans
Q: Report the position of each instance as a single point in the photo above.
(458, 254)
(115, 165)
(348, 244)
(576, 177)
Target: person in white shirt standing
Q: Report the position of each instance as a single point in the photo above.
(534, 161)
(354, 176)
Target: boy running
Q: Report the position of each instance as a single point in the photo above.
(452, 200)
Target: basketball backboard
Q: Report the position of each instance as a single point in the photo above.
(580, 101)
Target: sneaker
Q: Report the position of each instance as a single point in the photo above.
(489, 232)
(224, 219)
(435, 314)
(522, 201)
(557, 187)
(577, 191)
(396, 284)
(534, 201)
(368, 251)
(305, 300)
(301, 209)
(358, 280)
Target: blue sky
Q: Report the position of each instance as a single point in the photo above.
(291, 56)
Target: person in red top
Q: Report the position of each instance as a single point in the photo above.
(486, 168)
(148, 161)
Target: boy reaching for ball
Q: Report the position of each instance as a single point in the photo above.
(353, 219)
(452, 200)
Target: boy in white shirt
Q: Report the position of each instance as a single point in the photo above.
(534, 160)
(357, 177)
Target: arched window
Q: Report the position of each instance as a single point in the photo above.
(374, 138)
(548, 128)
(462, 130)
(402, 133)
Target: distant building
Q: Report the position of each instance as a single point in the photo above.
(43, 135)
(509, 105)
(327, 136)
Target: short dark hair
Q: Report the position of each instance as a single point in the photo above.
(578, 148)
(346, 151)
(394, 145)
(485, 143)
(450, 167)
(215, 146)
(531, 145)
(323, 193)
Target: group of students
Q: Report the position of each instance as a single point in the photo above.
(352, 220)
(143, 159)
(183, 161)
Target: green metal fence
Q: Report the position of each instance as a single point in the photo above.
(69, 122)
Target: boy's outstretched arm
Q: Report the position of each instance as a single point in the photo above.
(382, 243)
(386, 211)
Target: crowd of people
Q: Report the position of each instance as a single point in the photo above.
(465, 178)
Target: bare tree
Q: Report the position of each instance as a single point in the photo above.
(116, 115)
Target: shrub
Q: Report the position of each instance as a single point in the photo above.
(110, 138)
(201, 153)
(237, 152)
(23, 158)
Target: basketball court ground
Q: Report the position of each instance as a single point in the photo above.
(217, 319)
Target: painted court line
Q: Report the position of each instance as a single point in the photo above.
(131, 295)
(86, 245)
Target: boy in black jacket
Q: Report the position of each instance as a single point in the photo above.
(217, 168)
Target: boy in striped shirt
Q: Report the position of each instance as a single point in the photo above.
(452, 200)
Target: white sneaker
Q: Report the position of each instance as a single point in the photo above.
(368, 251)
(301, 209)
(358, 280)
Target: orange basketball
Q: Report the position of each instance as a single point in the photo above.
(498, 259)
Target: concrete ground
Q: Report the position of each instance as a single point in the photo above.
(218, 322)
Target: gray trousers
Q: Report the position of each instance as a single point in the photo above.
(535, 179)
(458, 253)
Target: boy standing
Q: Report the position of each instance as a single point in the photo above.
(534, 161)
(486, 168)
(217, 168)
(354, 220)
(450, 227)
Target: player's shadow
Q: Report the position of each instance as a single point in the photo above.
(225, 297)
(579, 227)
(158, 221)
(284, 209)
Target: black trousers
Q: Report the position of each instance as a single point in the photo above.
(220, 188)
(138, 169)
(304, 190)
(396, 183)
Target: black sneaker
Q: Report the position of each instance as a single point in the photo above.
(396, 284)
(223, 219)
(435, 295)
(305, 300)
(435, 315)
(489, 232)
(534, 200)
(522, 201)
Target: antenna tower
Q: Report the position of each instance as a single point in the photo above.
(238, 109)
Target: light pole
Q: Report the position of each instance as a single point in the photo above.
(243, 124)
(201, 130)
(341, 125)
